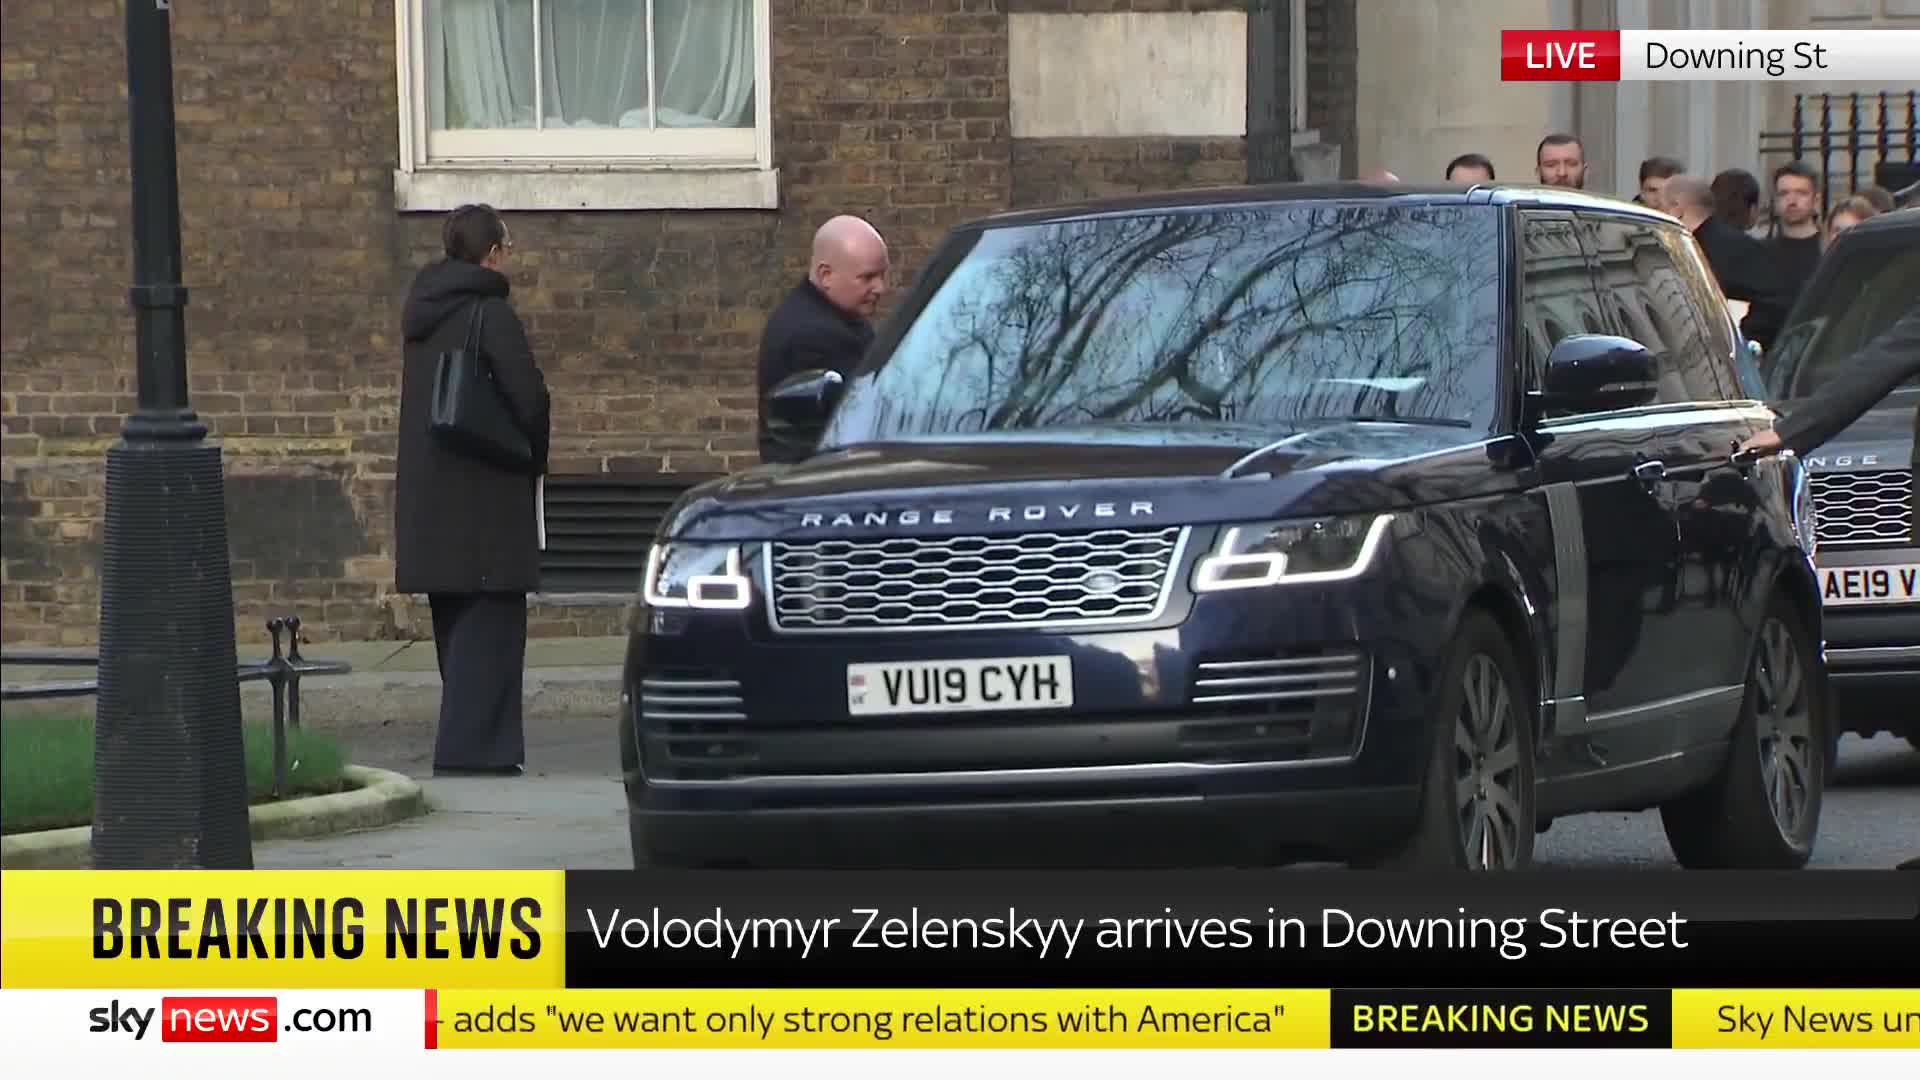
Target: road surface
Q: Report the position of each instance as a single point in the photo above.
(568, 813)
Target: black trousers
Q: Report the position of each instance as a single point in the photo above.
(481, 640)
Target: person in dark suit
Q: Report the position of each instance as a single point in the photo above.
(1745, 268)
(1654, 174)
(826, 320)
(1868, 377)
(465, 529)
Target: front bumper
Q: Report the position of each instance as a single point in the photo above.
(1083, 829)
(1164, 743)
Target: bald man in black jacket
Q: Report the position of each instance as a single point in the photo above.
(1865, 380)
(825, 322)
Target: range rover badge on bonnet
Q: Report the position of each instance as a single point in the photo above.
(1054, 513)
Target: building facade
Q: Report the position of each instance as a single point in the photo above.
(661, 197)
(662, 180)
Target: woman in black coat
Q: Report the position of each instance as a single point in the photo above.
(465, 529)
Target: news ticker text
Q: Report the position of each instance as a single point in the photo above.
(989, 1018)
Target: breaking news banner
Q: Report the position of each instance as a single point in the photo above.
(402, 965)
(1880, 56)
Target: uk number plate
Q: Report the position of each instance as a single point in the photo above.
(1841, 586)
(937, 686)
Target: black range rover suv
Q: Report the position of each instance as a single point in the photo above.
(1863, 478)
(1378, 524)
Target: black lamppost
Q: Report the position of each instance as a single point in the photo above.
(170, 786)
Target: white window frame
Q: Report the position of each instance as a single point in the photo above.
(673, 169)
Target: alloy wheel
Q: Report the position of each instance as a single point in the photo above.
(1487, 773)
(1783, 722)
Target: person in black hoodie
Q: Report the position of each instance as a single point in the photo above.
(465, 530)
(1745, 268)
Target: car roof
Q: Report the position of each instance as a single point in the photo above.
(1534, 196)
(1892, 221)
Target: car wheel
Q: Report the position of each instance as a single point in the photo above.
(1477, 799)
(1762, 811)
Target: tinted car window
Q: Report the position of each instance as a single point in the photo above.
(1250, 314)
(1647, 294)
(1557, 295)
(1732, 365)
(1560, 301)
(1869, 289)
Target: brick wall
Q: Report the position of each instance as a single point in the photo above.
(1065, 170)
(297, 262)
(1332, 87)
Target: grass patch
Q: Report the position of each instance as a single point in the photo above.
(46, 767)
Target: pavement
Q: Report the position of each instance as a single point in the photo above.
(568, 810)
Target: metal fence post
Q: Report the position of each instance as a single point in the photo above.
(294, 664)
(277, 678)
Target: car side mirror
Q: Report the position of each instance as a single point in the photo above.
(1595, 373)
(799, 406)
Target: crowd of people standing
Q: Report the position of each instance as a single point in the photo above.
(1763, 256)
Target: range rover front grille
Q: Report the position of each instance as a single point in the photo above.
(1038, 579)
(1864, 507)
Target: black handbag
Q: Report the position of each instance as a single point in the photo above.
(470, 414)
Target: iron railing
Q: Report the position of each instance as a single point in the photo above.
(282, 672)
(1855, 140)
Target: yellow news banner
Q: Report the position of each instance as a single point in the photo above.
(1787, 1019)
(1093, 1018)
(297, 929)
(896, 1019)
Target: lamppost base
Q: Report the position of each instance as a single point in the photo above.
(170, 782)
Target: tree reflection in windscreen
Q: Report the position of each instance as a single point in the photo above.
(1264, 315)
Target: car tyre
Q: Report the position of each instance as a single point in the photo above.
(1477, 808)
(1762, 811)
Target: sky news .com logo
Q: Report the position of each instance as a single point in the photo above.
(222, 1019)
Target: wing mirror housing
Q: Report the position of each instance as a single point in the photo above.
(799, 406)
(1595, 373)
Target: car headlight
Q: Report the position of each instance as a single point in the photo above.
(1806, 516)
(699, 576)
(1292, 552)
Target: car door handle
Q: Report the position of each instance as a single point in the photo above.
(1650, 472)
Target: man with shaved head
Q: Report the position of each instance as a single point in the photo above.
(1746, 269)
(825, 322)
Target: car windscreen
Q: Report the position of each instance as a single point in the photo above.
(1873, 287)
(1254, 315)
